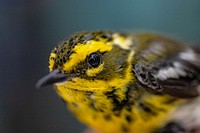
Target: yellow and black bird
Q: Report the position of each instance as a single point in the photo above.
(128, 82)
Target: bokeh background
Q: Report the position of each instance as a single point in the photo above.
(29, 29)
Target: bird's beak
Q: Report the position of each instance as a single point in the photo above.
(54, 77)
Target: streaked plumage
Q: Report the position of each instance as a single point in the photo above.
(130, 82)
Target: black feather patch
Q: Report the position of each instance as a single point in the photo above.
(178, 76)
(172, 127)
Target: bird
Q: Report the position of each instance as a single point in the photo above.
(121, 82)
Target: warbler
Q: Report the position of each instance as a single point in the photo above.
(128, 82)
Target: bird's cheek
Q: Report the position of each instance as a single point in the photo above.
(94, 71)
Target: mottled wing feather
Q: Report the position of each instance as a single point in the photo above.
(178, 76)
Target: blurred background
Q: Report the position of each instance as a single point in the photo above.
(29, 29)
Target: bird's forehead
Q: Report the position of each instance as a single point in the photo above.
(76, 49)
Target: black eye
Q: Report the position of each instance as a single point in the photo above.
(94, 60)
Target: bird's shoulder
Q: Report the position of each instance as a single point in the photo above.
(166, 65)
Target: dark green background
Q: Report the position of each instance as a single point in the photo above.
(29, 29)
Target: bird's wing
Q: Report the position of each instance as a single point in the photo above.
(178, 75)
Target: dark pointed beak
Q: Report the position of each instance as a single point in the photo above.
(54, 77)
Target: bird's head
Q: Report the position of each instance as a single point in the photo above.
(90, 61)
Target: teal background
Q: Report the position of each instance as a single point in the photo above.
(29, 29)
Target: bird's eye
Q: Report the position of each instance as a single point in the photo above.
(94, 59)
